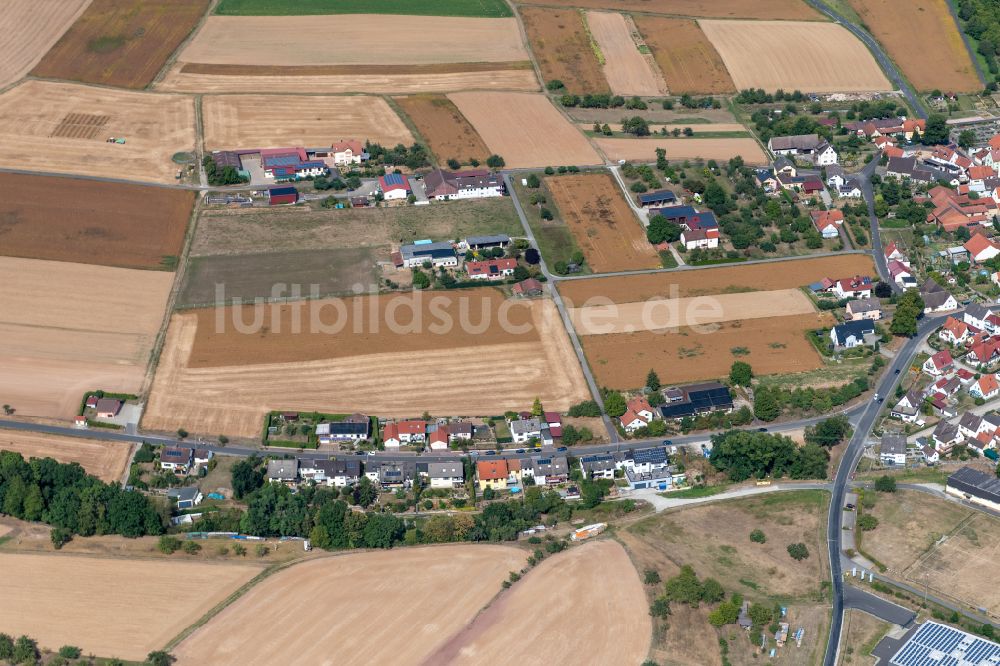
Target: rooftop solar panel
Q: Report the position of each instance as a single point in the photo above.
(935, 644)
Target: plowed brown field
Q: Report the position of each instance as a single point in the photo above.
(68, 328)
(63, 219)
(143, 603)
(644, 150)
(121, 42)
(689, 62)
(605, 228)
(809, 56)
(154, 127)
(105, 460)
(524, 129)
(627, 71)
(605, 622)
(28, 31)
(212, 383)
(261, 121)
(764, 9)
(347, 39)
(730, 279)
(774, 345)
(376, 607)
(926, 45)
(446, 130)
(562, 49)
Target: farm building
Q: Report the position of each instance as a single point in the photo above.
(657, 198)
(696, 399)
(812, 146)
(394, 187)
(277, 196)
(494, 269)
(441, 185)
(976, 486)
(438, 254)
(485, 242)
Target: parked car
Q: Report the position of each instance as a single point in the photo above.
(761, 429)
(562, 448)
(667, 442)
(520, 450)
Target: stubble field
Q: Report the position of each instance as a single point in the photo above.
(558, 38)
(764, 9)
(143, 603)
(29, 30)
(210, 382)
(644, 150)
(594, 603)
(689, 62)
(105, 460)
(927, 45)
(375, 607)
(605, 228)
(121, 43)
(446, 130)
(627, 71)
(808, 56)
(36, 116)
(68, 328)
(525, 129)
(356, 39)
(62, 219)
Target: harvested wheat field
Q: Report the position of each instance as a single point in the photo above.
(695, 311)
(376, 607)
(68, 328)
(28, 31)
(764, 9)
(121, 42)
(644, 150)
(387, 79)
(559, 40)
(63, 127)
(105, 460)
(689, 62)
(353, 39)
(725, 280)
(143, 603)
(448, 133)
(594, 603)
(525, 129)
(775, 345)
(262, 121)
(65, 219)
(627, 71)
(808, 56)
(927, 45)
(603, 224)
(212, 383)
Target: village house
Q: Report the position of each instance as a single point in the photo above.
(811, 146)
(492, 269)
(936, 299)
(441, 185)
(108, 408)
(893, 450)
(394, 187)
(827, 222)
(284, 471)
(955, 331)
(644, 461)
(986, 387)
(892, 251)
(175, 459)
(353, 429)
(446, 474)
(695, 399)
(980, 317)
(524, 430)
(395, 435)
(550, 471)
(333, 473)
(397, 474)
(983, 353)
(187, 497)
(439, 254)
(981, 248)
(554, 421)
(901, 274)
(598, 466)
(945, 437)
(638, 413)
(346, 152)
(853, 333)
(438, 440)
(859, 286)
(908, 407)
(700, 238)
(528, 288)
(492, 474)
(864, 308)
(939, 364)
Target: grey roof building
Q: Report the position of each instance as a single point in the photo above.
(597, 464)
(893, 445)
(976, 484)
(550, 467)
(525, 426)
(283, 470)
(446, 470)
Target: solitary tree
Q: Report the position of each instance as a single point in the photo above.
(740, 373)
(536, 407)
(885, 484)
(653, 380)
(798, 551)
(765, 406)
(757, 536)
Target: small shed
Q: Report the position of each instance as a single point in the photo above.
(282, 195)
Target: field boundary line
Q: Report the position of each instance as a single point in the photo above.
(169, 63)
(516, 11)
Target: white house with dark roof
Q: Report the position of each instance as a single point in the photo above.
(446, 474)
(892, 450)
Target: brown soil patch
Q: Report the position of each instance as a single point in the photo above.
(694, 311)
(69, 328)
(154, 127)
(605, 228)
(607, 622)
(105, 460)
(446, 130)
(525, 129)
(348, 39)
(121, 42)
(689, 62)
(926, 45)
(772, 346)
(860, 631)
(64, 219)
(375, 607)
(384, 79)
(644, 150)
(143, 604)
(80, 126)
(562, 49)
(29, 30)
(765, 9)
(809, 56)
(352, 70)
(195, 390)
(627, 71)
(262, 121)
(730, 279)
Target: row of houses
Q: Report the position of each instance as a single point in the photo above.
(525, 429)
(784, 175)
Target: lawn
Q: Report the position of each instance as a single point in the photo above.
(483, 8)
(832, 374)
(555, 240)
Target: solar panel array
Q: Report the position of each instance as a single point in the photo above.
(936, 644)
(653, 456)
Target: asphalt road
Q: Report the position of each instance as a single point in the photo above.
(873, 605)
(868, 192)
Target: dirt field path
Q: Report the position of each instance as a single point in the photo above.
(594, 603)
(105, 460)
(376, 607)
(626, 69)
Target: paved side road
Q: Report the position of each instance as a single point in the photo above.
(874, 605)
(665, 502)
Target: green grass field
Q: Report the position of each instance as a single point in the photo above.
(479, 8)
